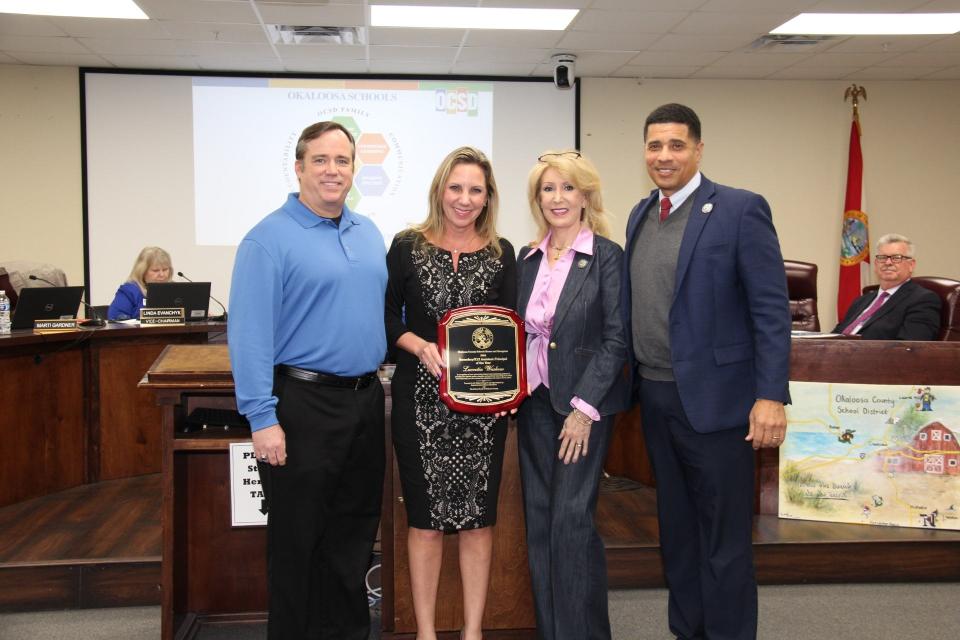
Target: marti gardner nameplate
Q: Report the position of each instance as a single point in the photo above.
(483, 350)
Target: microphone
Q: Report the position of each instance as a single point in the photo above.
(222, 317)
(95, 321)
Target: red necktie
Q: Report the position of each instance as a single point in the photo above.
(664, 209)
(867, 314)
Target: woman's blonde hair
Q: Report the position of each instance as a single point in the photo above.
(486, 222)
(581, 173)
(148, 257)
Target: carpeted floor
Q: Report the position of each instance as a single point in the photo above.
(806, 612)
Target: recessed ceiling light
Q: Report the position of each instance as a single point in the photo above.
(470, 17)
(75, 8)
(858, 24)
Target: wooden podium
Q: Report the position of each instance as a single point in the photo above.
(212, 571)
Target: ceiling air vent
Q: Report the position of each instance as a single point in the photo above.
(295, 34)
(788, 42)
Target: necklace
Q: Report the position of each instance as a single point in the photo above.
(559, 250)
(463, 247)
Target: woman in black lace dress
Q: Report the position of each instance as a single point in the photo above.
(449, 462)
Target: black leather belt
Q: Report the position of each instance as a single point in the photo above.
(327, 379)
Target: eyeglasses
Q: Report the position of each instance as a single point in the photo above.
(895, 258)
(562, 154)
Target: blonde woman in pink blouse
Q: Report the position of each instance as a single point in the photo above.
(569, 296)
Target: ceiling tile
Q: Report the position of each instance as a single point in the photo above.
(733, 73)
(293, 53)
(655, 58)
(927, 59)
(735, 22)
(60, 45)
(232, 63)
(895, 73)
(240, 50)
(676, 42)
(953, 73)
(17, 25)
(814, 73)
(443, 55)
(513, 38)
(495, 54)
(675, 5)
(575, 40)
(883, 44)
(416, 37)
(876, 6)
(214, 31)
(400, 66)
(653, 71)
(200, 10)
(627, 21)
(324, 15)
(947, 43)
(855, 60)
(59, 59)
(600, 63)
(787, 6)
(105, 28)
(134, 47)
(315, 66)
(152, 62)
(494, 69)
(760, 59)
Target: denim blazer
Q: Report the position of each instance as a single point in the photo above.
(587, 349)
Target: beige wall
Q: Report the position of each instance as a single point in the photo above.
(788, 140)
(40, 190)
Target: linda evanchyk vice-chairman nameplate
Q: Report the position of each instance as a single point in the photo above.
(483, 349)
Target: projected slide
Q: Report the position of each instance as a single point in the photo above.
(245, 133)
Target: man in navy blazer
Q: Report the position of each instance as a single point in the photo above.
(906, 311)
(708, 324)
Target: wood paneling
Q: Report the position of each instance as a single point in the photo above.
(42, 422)
(128, 417)
(72, 411)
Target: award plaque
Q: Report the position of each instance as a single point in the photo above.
(483, 350)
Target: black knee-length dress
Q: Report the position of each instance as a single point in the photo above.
(449, 462)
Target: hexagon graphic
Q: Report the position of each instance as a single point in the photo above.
(372, 148)
(353, 198)
(349, 124)
(372, 180)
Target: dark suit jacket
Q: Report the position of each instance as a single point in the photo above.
(912, 313)
(730, 316)
(587, 329)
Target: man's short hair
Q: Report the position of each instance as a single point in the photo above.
(890, 238)
(674, 113)
(316, 130)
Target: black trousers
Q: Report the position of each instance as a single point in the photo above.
(705, 511)
(324, 510)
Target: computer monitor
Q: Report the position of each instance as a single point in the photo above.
(194, 297)
(45, 303)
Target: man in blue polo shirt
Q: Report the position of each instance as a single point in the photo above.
(306, 337)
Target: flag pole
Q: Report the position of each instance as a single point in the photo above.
(855, 235)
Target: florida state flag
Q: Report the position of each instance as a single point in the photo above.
(855, 241)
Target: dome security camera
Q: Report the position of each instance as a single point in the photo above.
(563, 70)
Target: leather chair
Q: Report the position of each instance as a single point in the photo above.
(802, 291)
(949, 292)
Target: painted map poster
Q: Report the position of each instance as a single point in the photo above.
(872, 454)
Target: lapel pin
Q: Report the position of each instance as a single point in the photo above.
(582, 264)
(707, 208)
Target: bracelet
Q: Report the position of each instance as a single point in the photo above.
(582, 418)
